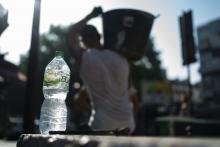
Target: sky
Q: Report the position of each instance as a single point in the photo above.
(165, 31)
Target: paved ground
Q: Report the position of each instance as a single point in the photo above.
(4, 143)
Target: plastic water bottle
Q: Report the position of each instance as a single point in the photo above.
(53, 116)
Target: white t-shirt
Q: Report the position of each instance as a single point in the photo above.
(105, 74)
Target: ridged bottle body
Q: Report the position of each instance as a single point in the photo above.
(53, 116)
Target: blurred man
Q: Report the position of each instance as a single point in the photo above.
(105, 75)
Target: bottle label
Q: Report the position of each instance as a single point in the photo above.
(53, 78)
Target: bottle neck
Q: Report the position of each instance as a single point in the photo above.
(59, 54)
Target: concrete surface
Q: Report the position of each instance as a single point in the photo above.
(5, 143)
(37, 140)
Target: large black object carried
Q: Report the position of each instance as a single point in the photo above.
(127, 31)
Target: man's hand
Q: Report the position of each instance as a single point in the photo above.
(82, 101)
(96, 12)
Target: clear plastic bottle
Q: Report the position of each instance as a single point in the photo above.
(53, 116)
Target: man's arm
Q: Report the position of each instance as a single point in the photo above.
(72, 37)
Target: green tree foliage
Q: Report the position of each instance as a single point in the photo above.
(148, 68)
(23, 63)
(155, 71)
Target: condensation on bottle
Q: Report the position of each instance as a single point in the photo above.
(53, 115)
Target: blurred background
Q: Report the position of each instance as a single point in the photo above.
(177, 80)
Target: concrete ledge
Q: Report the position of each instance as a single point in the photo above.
(37, 140)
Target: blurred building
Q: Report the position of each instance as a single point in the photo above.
(12, 88)
(165, 93)
(180, 90)
(156, 93)
(209, 49)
